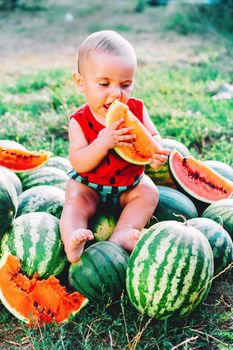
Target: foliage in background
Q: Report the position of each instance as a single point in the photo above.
(199, 18)
(179, 101)
(24, 4)
(194, 17)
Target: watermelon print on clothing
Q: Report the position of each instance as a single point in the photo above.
(113, 170)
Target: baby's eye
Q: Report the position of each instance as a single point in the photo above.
(125, 86)
(104, 84)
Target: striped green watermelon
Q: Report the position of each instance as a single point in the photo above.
(44, 176)
(219, 240)
(35, 239)
(100, 270)
(161, 176)
(8, 203)
(102, 226)
(13, 178)
(172, 203)
(103, 222)
(49, 199)
(170, 270)
(59, 163)
(221, 212)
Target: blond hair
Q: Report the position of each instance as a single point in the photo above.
(107, 41)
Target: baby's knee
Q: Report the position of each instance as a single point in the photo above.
(83, 198)
(150, 194)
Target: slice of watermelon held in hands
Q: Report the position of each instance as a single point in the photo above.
(144, 146)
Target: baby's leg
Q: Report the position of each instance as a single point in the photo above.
(80, 205)
(138, 206)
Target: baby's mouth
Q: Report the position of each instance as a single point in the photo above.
(106, 106)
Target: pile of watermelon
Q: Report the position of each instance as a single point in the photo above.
(169, 273)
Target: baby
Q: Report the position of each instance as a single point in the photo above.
(106, 70)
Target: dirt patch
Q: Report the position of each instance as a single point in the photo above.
(50, 36)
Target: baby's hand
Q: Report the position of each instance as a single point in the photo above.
(113, 136)
(159, 158)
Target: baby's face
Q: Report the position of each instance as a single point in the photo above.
(107, 77)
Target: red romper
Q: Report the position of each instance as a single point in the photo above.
(113, 175)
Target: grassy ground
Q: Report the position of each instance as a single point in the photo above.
(177, 77)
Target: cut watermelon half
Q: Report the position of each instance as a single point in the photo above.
(35, 301)
(197, 179)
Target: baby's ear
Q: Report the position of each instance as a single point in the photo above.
(78, 80)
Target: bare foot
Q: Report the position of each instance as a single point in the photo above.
(127, 238)
(74, 247)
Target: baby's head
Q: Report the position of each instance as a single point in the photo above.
(105, 41)
(106, 70)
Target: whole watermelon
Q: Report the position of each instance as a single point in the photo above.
(100, 270)
(174, 205)
(103, 222)
(35, 239)
(49, 199)
(59, 163)
(13, 178)
(46, 175)
(221, 212)
(8, 203)
(219, 240)
(170, 270)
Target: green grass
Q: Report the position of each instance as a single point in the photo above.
(116, 325)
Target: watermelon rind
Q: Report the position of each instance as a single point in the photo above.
(128, 159)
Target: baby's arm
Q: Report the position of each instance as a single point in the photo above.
(160, 157)
(85, 157)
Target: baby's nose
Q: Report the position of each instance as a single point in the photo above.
(116, 92)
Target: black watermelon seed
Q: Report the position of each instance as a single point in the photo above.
(90, 125)
(112, 180)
